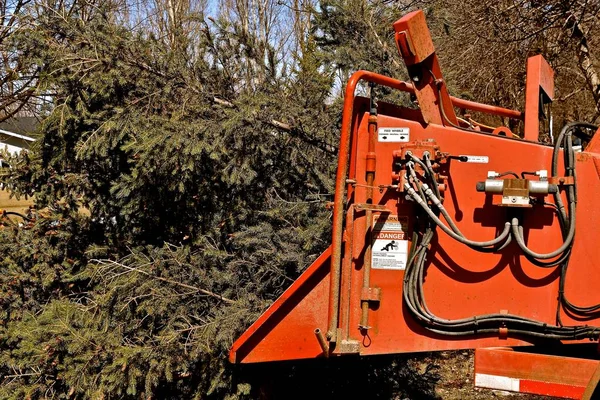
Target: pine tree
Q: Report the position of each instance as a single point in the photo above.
(181, 178)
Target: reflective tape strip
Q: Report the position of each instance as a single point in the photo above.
(552, 389)
(497, 382)
(528, 386)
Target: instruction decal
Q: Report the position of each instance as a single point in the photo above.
(393, 134)
(390, 247)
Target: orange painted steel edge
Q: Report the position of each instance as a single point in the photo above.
(536, 373)
(252, 330)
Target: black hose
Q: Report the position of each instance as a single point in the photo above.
(501, 174)
(517, 232)
(17, 214)
(429, 170)
(413, 194)
(484, 324)
(413, 293)
(566, 140)
(524, 173)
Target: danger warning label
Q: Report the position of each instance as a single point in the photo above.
(390, 247)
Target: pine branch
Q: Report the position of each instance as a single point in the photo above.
(158, 278)
(282, 126)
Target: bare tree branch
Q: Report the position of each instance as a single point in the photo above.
(158, 278)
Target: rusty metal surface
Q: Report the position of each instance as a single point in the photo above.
(370, 168)
(371, 294)
(413, 38)
(592, 385)
(322, 342)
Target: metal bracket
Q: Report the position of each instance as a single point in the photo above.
(371, 294)
(561, 180)
(405, 44)
(415, 45)
(371, 207)
(347, 347)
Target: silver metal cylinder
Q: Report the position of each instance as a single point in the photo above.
(494, 185)
(539, 187)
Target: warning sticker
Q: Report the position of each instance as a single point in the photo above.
(390, 247)
(393, 134)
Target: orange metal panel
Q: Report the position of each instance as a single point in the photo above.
(286, 331)
(537, 373)
(540, 79)
(462, 282)
(594, 144)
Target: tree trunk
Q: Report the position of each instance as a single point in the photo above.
(586, 62)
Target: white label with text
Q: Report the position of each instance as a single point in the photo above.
(477, 159)
(394, 134)
(390, 247)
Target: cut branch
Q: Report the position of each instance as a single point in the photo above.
(282, 126)
(222, 102)
(158, 278)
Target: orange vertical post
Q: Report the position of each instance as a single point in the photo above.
(539, 88)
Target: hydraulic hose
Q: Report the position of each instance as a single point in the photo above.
(430, 172)
(413, 293)
(413, 194)
(567, 128)
(435, 200)
(517, 232)
(565, 138)
(483, 324)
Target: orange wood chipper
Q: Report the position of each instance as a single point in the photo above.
(450, 234)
